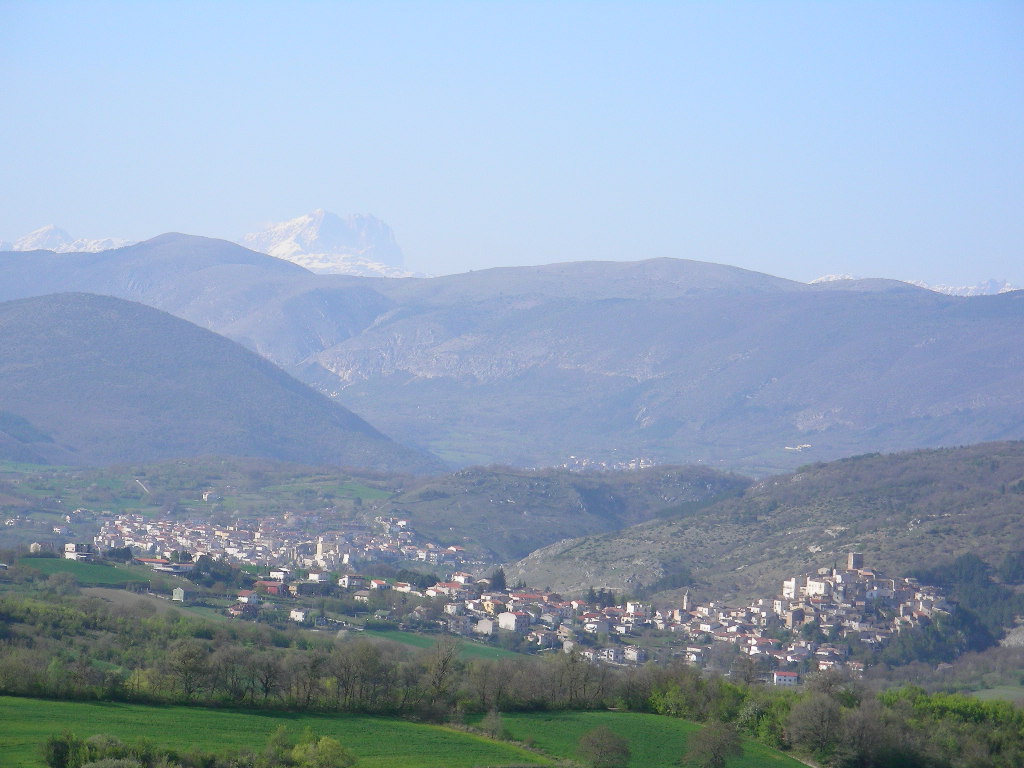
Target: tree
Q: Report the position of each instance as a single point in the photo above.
(498, 581)
(322, 752)
(493, 725)
(441, 665)
(187, 664)
(814, 724)
(712, 745)
(64, 751)
(603, 748)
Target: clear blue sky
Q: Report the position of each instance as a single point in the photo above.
(795, 138)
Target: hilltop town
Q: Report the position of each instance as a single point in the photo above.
(291, 539)
(834, 618)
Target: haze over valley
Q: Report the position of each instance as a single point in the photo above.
(605, 385)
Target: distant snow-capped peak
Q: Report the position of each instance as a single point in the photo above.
(323, 242)
(53, 238)
(986, 288)
(833, 278)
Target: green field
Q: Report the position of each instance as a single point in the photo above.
(378, 742)
(467, 648)
(655, 741)
(88, 574)
(1014, 693)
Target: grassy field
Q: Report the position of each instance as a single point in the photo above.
(378, 742)
(467, 648)
(1014, 693)
(88, 574)
(654, 741)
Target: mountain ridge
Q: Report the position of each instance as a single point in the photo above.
(664, 361)
(91, 379)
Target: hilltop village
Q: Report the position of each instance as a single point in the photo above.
(831, 619)
(291, 540)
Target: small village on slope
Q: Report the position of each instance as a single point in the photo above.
(835, 618)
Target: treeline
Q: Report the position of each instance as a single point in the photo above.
(76, 647)
(973, 584)
(281, 751)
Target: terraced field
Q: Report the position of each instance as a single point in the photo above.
(379, 742)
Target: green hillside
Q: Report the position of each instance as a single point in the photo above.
(654, 741)
(95, 380)
(378, 742)
(902, 511)
(508, 513)
(497, 512)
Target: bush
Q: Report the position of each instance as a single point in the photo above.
(603, 748)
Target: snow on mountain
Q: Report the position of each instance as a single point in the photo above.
(987, 288)
(53, 238)
(329, 244)
(833, 278)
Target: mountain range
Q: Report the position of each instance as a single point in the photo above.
(668, 360)
(97, 380)
(53, 238)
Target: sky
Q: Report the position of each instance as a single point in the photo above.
(794, 138)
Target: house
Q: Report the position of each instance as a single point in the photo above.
(304, 588)
(545, 638)
(514, 621)
(612, 655)
(242, 611)
(298, 615)
(785, 678)
(634, 654)
(178, 595)
(694, 654)
(597, 626)
(270, 587)
(74, 552)
(352, 581)
(486, 627)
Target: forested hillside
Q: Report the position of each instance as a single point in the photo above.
(901, 510)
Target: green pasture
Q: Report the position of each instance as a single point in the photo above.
(21, 468)
(87, 574)
(467, 648)
(378, 742)
(343, 489)
(1014, 693)
(655, 741)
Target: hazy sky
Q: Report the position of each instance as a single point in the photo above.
(800, 138)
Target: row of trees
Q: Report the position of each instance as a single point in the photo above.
(282, 750)
(76, 647)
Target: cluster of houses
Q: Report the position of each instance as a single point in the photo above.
(840, 605)
(272, 541)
